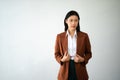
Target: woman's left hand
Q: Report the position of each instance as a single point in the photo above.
(78, 58)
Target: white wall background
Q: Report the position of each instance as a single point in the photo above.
(28, 31)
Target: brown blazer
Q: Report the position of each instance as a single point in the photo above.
(83, 49)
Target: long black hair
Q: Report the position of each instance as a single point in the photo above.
(71, 13)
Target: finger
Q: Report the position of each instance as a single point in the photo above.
(75, 59)
(77, 55)
(65, 53)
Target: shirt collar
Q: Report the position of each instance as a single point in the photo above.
(68, 34)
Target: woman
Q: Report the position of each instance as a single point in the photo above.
(72, 50)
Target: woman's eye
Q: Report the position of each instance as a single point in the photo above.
(76, 20)
(71, 20)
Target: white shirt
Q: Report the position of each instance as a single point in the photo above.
(72, 45)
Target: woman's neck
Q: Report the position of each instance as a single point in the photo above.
(71, 32)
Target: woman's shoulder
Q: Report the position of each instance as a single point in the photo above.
(62, 34)
(82, 34)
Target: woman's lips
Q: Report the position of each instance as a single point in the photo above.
(73, 26)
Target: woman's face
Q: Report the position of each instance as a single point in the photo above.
(72, 22)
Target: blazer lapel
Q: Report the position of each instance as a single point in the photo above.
(65, 43)
(79, 42)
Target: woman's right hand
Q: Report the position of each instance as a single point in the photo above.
(66, 57)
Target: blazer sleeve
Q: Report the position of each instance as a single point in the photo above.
(57, 53)
(88, 53)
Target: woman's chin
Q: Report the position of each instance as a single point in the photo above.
(73, 29)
